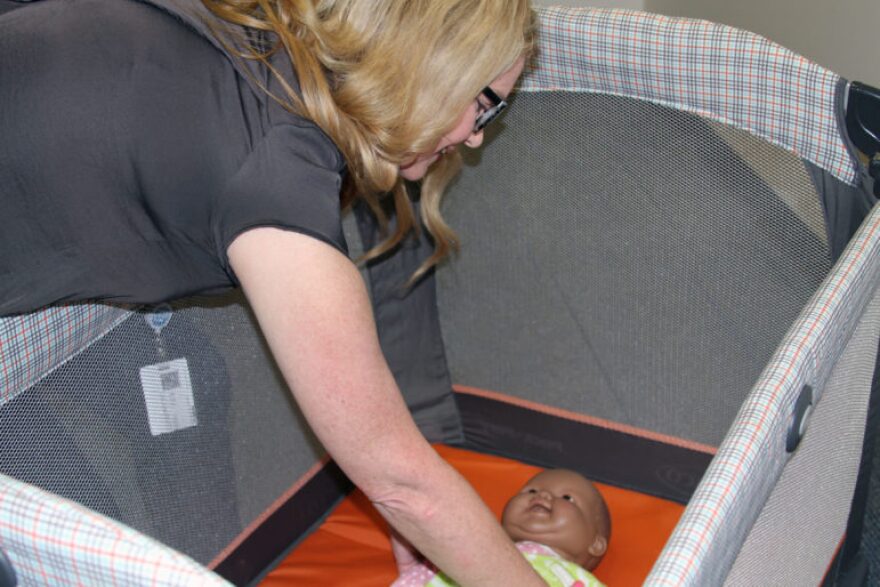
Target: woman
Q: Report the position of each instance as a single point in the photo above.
(140, 164)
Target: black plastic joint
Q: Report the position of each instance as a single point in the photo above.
(7, 573)
(803, 409)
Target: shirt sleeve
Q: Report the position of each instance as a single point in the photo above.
(290, 180)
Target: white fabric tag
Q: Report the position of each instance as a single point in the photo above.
(169, 396)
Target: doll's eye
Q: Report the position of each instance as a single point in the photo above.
(531, 490)
(567, 497)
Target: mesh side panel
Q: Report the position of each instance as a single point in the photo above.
(83, 432)
(627, 260)
(805, 517)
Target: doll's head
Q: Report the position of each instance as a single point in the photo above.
(563, 510)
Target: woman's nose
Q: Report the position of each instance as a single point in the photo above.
(474, 140)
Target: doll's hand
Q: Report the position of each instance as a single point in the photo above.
(405, 555)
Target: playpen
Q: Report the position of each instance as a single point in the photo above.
(667, 281)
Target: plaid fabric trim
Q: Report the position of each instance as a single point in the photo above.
(33, 345)
(725, 74)
(53, 541)
(750, 460)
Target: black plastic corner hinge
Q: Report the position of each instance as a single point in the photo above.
(863, 125)
(7, 573)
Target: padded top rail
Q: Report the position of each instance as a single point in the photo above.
(728, 498)
(33, 345)
(719, 72)
(53, 541)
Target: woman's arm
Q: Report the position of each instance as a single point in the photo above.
(313, 308)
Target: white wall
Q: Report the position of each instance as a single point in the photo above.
(841, 35)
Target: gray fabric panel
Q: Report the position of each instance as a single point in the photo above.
(646, 465)
(628, 261)
(803, 521)
(409, 332)
(870, 545)
(845, 207)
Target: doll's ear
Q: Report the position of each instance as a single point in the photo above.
(599, 546)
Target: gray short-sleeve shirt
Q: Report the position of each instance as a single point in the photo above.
(132, 153)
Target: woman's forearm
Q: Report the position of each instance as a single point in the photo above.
(445, 520)
(314, 311)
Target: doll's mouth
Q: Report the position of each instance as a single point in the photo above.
(539, 508)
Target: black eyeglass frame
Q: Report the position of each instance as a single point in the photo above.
(498, 106)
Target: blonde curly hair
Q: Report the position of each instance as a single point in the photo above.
(385, 80)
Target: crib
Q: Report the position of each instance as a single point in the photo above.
(668, 281)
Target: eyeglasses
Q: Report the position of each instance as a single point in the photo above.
(491, 113)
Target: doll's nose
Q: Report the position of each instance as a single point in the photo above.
(545, 495)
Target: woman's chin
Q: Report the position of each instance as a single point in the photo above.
(410, 174)
(418, 168)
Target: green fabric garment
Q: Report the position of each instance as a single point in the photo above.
(555, 571)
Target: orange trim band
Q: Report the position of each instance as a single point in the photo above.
(599, 422)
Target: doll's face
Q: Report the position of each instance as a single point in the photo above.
(562, 510)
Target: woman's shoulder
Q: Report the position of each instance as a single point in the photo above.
(114, 31)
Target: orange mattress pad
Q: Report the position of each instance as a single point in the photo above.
(351, 547)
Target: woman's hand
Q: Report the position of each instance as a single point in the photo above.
(313, 308)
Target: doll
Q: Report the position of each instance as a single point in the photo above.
(558, 520)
